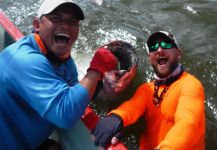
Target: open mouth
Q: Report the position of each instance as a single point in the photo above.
(162, 61)
(61, 38)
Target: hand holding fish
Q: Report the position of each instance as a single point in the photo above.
(103, 60)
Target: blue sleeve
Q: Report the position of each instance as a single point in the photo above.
(35, 82)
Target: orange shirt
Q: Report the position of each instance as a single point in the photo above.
(178, 123)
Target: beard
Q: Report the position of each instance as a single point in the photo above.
(165, 72)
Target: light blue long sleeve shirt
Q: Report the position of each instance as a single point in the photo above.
(36, 96)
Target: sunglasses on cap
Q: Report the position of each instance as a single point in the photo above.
(164, 45)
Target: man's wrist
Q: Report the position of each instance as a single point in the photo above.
(94, 74)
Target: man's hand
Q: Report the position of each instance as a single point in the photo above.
(108, 130)
(103, 60)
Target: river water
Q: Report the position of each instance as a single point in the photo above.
(194, 23)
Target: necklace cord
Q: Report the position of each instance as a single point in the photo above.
(158, 99)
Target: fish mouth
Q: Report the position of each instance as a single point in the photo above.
(62, 38)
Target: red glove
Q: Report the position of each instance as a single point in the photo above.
(103, 60)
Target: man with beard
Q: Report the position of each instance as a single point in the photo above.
(172, 105)
(39, 81)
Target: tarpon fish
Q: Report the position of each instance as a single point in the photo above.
(116, 81)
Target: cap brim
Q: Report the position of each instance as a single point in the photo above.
(155, 36)
(78, 11)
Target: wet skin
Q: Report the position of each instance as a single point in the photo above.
(59, 30)
(164, 61)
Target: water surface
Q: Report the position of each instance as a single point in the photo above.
(194, 24)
